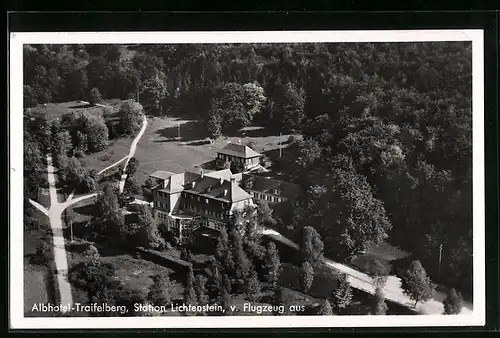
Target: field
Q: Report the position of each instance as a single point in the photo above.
(59, 109)
(161, 149)
(38, 287)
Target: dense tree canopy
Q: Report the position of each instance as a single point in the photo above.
(400, 112)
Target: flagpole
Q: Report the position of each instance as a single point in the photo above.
(280, 146)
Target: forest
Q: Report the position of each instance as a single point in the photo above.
(387, 127)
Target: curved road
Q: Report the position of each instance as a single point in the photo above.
(392, 288)
(133, 147)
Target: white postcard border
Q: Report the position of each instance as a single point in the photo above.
(17, 319)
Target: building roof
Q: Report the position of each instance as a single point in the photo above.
(239, 150)
(177, 182)
(266, 185)
(225, 174)
(217, 188)
(160, 174)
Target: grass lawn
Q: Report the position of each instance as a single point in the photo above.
(160, 149)
(59, 109)
(115, 151)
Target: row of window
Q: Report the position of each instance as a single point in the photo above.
(205, 200)
(234, 159)
(161, 205)
(213, 225)
(162, 216)
(209, 212)
(264, 197)
(162, 194)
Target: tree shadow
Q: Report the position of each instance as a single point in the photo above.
(88, 210)
(252, 131)
(106, 248)
(189, 132)
(198, 143)
(77, 247)
(82, 230)
(81, 106)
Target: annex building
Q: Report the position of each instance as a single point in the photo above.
(235, 152)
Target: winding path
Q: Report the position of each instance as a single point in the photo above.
(392, 288)
(133, 147)
(55, 214)
(55, 217)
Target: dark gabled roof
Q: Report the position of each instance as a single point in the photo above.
(217, 188)
(264, 184)
(239, 150)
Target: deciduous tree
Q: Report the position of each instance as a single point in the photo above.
(133, 165)
(132, 186)
(130, 118)
(62, 144)
(311, 244)
(453, 302)
(94, 96)
(416, 284)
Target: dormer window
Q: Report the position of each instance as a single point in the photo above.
(276, 192)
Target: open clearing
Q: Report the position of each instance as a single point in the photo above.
(115, 151)
(37, 286)
(59, 109)
(117, 148)
(161, 149)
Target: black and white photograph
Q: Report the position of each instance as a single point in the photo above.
(283, 179)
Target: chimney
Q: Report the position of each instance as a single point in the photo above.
(221, 181)
(193, 184)
(239, 141)
(201, 172)
(225, 192)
